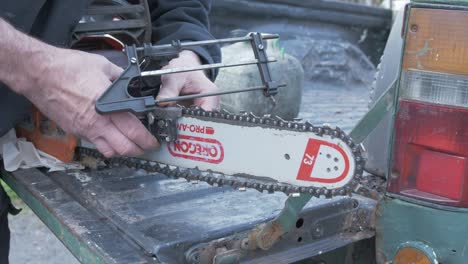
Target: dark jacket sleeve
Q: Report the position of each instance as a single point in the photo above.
(184, 20)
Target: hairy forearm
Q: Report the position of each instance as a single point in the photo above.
(23, 58)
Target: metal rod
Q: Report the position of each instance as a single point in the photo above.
(214, 41)
(194, 96)
(201, 67)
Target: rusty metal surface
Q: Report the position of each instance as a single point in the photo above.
(317, 230)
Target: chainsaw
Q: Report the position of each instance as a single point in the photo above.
(242, 150)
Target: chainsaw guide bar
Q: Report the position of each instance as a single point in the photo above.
(263, 153)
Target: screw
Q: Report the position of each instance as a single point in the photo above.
(414, 28)
(260, 46)
(317, 232)
(133, 60)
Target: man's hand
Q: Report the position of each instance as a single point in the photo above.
(66, 92)
(64, 84)
(188, 82)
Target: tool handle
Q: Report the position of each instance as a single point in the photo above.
(117, 99)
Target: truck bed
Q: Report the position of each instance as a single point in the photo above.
(120, 215)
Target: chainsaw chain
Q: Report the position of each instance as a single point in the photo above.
(241, 183)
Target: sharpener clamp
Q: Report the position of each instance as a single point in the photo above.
(162, 121)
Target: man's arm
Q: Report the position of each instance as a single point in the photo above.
(186, 20)
(64, 84)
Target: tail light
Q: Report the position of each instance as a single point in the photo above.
(430, 151)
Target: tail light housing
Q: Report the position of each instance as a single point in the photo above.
(430, 141)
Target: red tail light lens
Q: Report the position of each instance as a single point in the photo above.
(430, 159)
(430, 148)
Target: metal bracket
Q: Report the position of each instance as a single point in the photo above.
(259, 49)
(267, 235)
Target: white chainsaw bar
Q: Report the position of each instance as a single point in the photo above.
(298, 158)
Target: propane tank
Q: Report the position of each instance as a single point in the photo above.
(286, 69)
